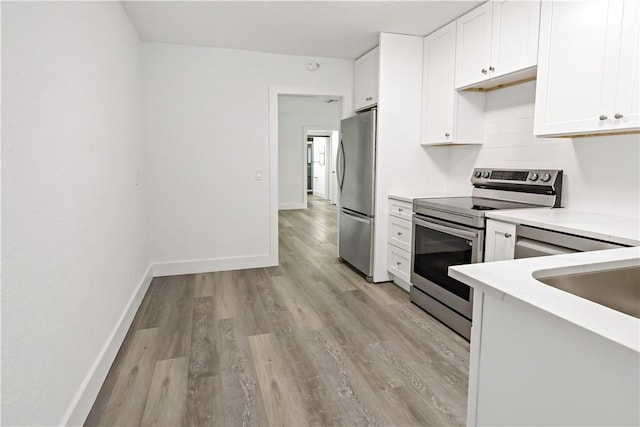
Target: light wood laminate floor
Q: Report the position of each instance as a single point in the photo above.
(309, 342)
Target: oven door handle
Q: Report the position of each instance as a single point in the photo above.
(449, 230)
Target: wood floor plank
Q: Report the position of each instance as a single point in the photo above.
(204, 350)
(176, 317)
(281, 395)
(319, 403)
(203, 407)
(133, 378)
(299, 306)
(242, 401)
(205, 285)
(167, 393)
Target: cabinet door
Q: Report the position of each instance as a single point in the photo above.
(625, 112)
(514, 37)
(473, 46)
(438, 91)
(573, 68)
(366, 84)
(500, 241)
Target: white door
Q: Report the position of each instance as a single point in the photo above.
(320, 166)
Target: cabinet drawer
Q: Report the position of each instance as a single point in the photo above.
(400, 209)
(399, 263)
(400, 233)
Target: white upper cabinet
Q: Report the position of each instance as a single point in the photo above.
(366, 80)
(588, 68)
(474, 46)
(497, 43)
(514, 36)
(448, 117)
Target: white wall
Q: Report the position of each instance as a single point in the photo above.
(403, 165)
(296, 113)
(73, 243)
(601, 174)
(207, 118)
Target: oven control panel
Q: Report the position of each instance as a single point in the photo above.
(542, 177)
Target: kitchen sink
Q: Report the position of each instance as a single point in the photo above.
(617, 288)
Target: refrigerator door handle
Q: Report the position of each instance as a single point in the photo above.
(357, 216)
(344, 164)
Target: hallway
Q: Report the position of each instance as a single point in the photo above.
(309, 342)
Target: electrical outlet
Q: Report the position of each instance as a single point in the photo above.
(259, 175)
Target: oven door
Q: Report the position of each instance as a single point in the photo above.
(436, 246)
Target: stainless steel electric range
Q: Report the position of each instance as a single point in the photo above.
(450, 231)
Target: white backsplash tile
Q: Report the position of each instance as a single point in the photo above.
(601, 174)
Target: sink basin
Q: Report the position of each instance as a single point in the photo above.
(617, 288)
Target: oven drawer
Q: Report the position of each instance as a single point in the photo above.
(400, 209)
(400, 233)
(399, 263)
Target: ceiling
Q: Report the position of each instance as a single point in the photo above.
(336, 29)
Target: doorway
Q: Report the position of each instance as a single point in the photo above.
(308, 129)
(320, 164)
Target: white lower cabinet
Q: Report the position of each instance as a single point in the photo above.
(400, 242)
(528, 366)
(500, 241)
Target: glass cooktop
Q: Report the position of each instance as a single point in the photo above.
(464, 210)
(469, 204)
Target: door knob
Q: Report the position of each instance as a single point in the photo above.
(483, 71)
(603, 117)
(618, 116)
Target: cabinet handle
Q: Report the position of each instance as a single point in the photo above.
(483, 71)
(618, 115)
(492, 69)
(368, 98)
(603, 117)
(398, 263)
(399, 209)
(399, 233)
(446, 135)
(507, 235)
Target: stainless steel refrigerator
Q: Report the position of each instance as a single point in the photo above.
(355, 166)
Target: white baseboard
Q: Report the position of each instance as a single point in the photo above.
(86, 395)
(291, 206)
(215, 264)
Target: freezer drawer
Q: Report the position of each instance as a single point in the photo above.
(356, 237)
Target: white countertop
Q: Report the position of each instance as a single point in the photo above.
(515, 279)
(612, 228)
(407, 197)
